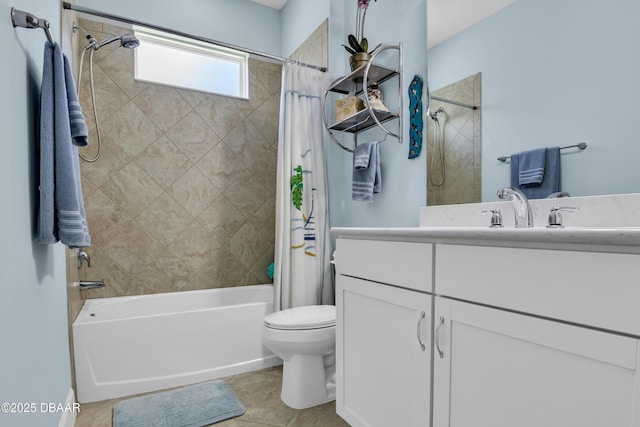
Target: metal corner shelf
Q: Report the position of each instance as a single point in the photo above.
(362, 120)
(377, 75)
(357, 82)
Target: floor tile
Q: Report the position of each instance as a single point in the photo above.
(259, 392)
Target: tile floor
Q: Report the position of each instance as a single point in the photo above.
(258, 391)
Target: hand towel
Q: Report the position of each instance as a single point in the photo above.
(61, 214)
(550, 182)
(367, 177)
(532, 165)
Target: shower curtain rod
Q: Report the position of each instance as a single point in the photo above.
(459, 104)
(81, 9)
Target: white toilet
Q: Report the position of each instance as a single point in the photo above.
(305, 339)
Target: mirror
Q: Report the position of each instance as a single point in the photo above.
(552, 74)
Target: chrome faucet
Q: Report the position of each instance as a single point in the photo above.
(521, 207)
(86, 285)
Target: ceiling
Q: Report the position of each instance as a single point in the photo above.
(445, 18)
(276, 4)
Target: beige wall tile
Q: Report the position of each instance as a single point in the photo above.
(193, 136)
(164, 219)
(131, 129)
(194, 192)
(163, 162)
(132, 189)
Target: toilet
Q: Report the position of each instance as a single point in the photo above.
(305, 339)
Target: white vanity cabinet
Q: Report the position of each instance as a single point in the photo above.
(517, 333)
(502, 369)
(529, 348)
(383, 338)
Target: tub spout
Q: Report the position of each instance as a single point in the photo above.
(85, 285)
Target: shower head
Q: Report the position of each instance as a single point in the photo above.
(129, 41)
(126, 40)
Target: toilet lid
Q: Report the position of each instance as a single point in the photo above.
(307, 317)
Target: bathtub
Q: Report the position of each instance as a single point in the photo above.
(137, 344)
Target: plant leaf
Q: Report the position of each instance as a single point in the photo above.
(297, 187)
(351, 51)
(354, 43)
(364, 43)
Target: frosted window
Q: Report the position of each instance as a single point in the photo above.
(177, 61)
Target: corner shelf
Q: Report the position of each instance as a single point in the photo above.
(362, 120)
(357, 82)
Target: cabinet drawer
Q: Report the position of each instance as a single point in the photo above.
(404, 264)
(589, 288)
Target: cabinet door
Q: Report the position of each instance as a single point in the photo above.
(383, 349)
(494, 368)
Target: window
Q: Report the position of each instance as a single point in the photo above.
(182, 62)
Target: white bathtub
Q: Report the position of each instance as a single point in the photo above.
(130, 345)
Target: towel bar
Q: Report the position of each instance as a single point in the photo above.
(24, 19)
(581, 146)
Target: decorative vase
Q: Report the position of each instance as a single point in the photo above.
(359, 59)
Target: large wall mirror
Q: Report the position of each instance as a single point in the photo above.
(544, 73)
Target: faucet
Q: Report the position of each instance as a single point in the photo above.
(86, 285)
(521, 207)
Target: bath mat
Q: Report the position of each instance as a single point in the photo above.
(193, 406)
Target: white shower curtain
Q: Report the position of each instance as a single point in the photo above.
(302, 274)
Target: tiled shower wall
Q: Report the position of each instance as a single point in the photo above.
(183, 194)
(462, 146)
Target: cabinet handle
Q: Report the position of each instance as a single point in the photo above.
(437, 338)
(419, 330)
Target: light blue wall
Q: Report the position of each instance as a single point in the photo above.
(299, 19)
(403, 180)
(239, 22)
(555, 73)
(34, 359)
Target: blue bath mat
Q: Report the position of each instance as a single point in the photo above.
(193, 406)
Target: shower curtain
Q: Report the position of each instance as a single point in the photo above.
(302, 274)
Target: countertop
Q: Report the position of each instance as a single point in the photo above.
(592, 239)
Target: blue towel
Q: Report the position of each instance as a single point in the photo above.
(61, 214)
(532, 166)
(551, 179)
(367, 177)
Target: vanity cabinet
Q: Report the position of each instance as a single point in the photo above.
(535, 337)
(518, 336)
(494, 368)
(383, 338)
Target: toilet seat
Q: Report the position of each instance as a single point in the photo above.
(302, 318)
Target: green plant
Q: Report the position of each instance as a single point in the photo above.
(358, 43)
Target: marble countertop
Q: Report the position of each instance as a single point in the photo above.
(592, 239)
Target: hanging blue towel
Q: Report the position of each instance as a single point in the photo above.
(61, 213)
(367, 177)
(551, 178)
(532, 165)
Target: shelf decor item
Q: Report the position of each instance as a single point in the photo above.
(358, 44)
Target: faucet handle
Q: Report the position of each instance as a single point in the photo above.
(83, 256)
(496, 217)
(555, 218)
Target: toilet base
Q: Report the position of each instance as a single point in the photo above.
(306, 382)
